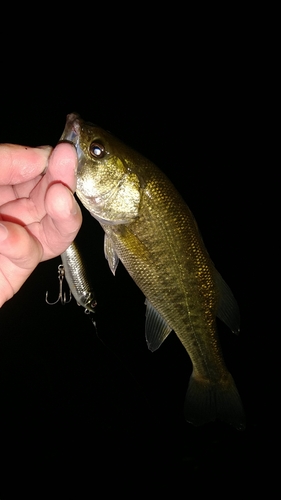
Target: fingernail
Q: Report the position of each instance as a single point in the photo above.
(3, 232)
(74, 205)
(48, 150)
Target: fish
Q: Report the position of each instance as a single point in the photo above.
(150, 229)
(77, 278)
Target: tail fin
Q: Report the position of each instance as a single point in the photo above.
(206, 401)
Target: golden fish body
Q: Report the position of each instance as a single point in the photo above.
(149, 227)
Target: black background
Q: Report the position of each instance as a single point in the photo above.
(80, 410)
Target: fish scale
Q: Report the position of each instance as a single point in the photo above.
(172, 292)
(149, 227)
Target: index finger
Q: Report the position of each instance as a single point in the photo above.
(21, 163)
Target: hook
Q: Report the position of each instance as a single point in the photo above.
(62, 295)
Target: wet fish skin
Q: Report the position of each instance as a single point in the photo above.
(149, 227)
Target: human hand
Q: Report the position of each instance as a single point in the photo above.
(39, 216)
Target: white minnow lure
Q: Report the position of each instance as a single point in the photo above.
(76, 278)
(73, 270)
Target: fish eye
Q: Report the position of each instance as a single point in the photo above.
(97, 149)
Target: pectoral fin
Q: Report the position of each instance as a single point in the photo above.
(156, 328)
(110, 254)
(228, 310)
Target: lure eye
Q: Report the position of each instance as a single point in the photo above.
(97, 150)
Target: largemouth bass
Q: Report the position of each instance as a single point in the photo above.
(149, 227)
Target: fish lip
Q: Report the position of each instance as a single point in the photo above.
(72, 129)
(71, 117)
(71, 134)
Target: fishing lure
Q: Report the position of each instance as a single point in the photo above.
(73, 270)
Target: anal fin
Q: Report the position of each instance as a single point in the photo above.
(156, 328)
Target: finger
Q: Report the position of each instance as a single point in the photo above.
(61, 169)
(22, 211)
(21, 163)
(61, 223)
(19, 255)
(63, 209)
(64, 218)
(59, 204)
(63, 165)
(6, 194)
(58, 223)
(19, 246)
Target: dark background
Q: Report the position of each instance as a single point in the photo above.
(75, 406)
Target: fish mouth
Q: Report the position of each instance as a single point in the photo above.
(72, 129)
(71, 133)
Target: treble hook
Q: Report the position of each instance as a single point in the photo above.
(62, 295)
